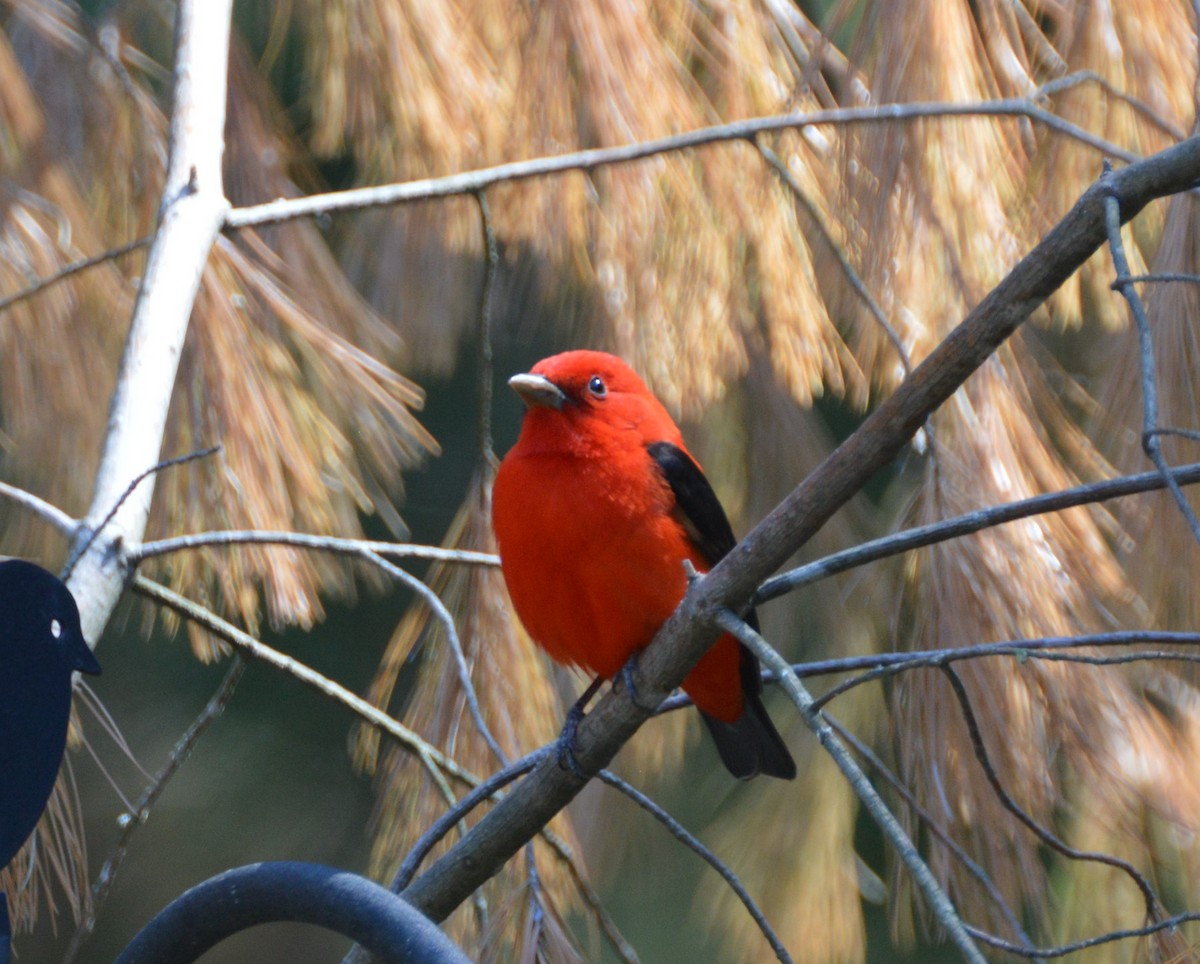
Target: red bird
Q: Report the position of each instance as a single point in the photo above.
(595, 509)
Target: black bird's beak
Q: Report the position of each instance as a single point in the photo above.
(537, 391)
(83, 659)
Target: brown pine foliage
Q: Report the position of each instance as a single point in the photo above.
(519, 706)
(723, 285)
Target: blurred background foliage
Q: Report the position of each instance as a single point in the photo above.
(336, 362)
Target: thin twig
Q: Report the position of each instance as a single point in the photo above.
(108, 725)
(354, 547)
(1090, 76)
(41, 508)
(432, 758)
(963, 525)
(1124, 659)
(1063, 950)
(486, 790)
(890, 664)
(491, 263)
(619, 944)
(933, 826)
(877, 665)
(680, 833)
(138, 479)
(1151, 441)
(444, 616)
(1191, 434)
(852, 276)
(1155, 277)
(138, 817)
(67, 271)
(489, 790)
(1153, 906)
(471, 182)
(938, 900)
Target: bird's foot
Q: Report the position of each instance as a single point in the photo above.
(626, 675)
(566, 741)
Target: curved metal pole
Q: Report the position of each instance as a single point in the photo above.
(337, 900)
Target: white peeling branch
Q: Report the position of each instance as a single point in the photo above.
(191, 212)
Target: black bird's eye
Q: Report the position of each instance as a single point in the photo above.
(55, 628)
(597, 387)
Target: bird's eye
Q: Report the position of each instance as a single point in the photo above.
(55, 628)
(597, 387)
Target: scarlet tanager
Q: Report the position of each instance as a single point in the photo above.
(595, 509)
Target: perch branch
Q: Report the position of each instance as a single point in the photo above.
(731, 584)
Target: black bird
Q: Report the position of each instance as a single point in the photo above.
(41, 645)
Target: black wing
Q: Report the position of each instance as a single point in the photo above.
(751, 744)
(700, 510)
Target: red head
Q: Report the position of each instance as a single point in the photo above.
(579, 399)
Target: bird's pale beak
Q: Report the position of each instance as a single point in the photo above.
(537, 391)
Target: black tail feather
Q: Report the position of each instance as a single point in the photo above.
(751, 745)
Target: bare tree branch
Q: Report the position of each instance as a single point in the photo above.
(442, 614)
(433, 759)
(1074, 947)
(472, 182)
(488, 789)
(962, 525)
(731, 584)
(349, 547)
(1154, 909)
(192, 211)
(1151, 434)
(927, 820)
(857, 285)
(936, 898)
(41, 508)
(491, 267)
(1156, 277)
(69, 271)
(141, 813)
(1080, 77)
(680, 833)
(82, 547)
(890, 664)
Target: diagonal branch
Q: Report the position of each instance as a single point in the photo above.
(70, 270)
(474, 182)
(1154, 910)
(40, 507)
(946, 529)
(140, 813)
(431, 758)
(1151, 433)
(730, 585)
(938, 900)
(192, 211)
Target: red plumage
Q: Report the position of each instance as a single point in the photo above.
(595, 508)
